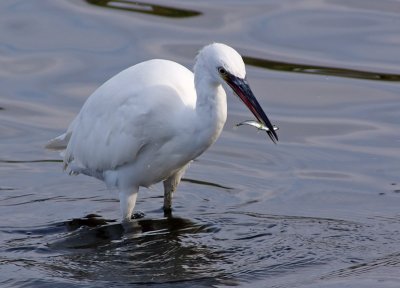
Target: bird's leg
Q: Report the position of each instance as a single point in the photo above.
(127, 199)
(170, 185)
(169, 189)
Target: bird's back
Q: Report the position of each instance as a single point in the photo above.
(133, 111)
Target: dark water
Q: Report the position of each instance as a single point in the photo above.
(320, 209)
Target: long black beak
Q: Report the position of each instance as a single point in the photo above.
(242, 89)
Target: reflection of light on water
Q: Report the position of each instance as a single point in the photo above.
(140, 7)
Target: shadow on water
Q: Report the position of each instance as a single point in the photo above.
(206, 183)
(30, 161)
(145, 8)
(319, 70)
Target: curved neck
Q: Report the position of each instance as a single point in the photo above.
(211, 108)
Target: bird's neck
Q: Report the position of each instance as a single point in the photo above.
(211, 108)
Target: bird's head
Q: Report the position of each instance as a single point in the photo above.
(227, 68)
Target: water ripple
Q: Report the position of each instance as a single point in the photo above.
(196, 252)
(319, 70)
(145, 8)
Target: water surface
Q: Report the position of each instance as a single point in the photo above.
(319, 209)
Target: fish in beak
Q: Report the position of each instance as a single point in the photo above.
(242, 89)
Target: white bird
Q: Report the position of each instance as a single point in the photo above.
(145, 124)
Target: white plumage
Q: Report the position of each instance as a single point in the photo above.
(146, 124)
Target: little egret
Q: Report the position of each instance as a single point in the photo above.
(147, 123)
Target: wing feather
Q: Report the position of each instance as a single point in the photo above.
(134, 109)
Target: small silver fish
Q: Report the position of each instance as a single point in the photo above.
(258, 125)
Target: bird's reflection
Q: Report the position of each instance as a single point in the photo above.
(145, 251)
(92, 230)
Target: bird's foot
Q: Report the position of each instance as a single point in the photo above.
(138, 215)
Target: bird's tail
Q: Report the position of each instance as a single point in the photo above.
(59, 143)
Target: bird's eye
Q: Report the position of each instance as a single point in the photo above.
(222, 71)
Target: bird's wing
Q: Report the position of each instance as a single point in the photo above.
(125, 115)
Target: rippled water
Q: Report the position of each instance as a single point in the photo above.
(320, 209)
